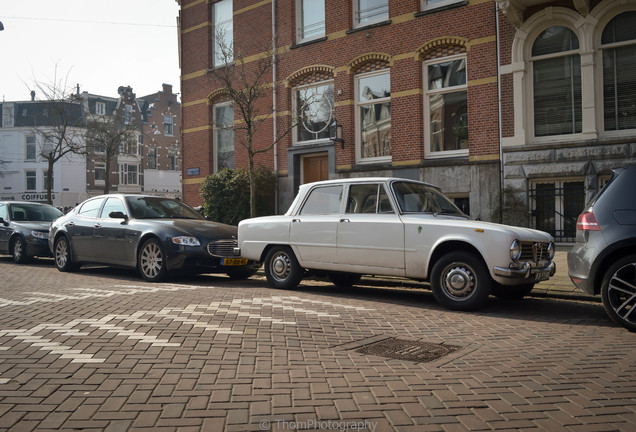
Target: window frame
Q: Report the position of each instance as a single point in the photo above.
(300, 38)
(125, 174)
(428, 152)
(599, 52)
(214, 8)
(102, 167)
(357, 116)
(295, 90)
(30, 175)
(152, 155)
(27, 145)
(379, 19)
(100, 108)
(424, 6)
(168, 123)
(215, 137)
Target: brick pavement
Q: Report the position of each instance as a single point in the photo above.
(102, 350)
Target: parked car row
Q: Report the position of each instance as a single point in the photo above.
(343, 229)
(151, 234)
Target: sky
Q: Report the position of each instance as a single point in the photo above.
(100, 45)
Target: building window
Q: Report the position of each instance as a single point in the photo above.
(310, 19)
(48, 148)
(167, 125)
(434, 4)
(314, 107)
(128, 146)
(45, 181)
(373, 115)
(100, 108)
(31, 178)
(556, 81)
(172, 160)
(367, 12)
(447, 107)
(618, 44)
(223, 136)
(100, 173)
(7, 116)
(128, 110)
(152, 158)
(31, 151)
(222, 32)
(128, 174)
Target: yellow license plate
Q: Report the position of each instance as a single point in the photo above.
(233, 261)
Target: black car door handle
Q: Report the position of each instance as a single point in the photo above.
(97, 225)
(344, 220)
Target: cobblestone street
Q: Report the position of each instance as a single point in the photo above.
(100, 349)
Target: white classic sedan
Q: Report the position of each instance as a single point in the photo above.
(388, 226)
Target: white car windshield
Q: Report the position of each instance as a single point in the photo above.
(419, 198)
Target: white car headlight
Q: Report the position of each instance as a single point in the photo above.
(515, 250)
(40, 235)
(551, 251)
(186, 241)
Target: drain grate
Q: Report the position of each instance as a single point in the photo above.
(415, 351)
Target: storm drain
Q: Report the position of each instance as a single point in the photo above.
(415, 351)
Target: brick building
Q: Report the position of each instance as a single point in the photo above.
(413, 84)
(507, 105)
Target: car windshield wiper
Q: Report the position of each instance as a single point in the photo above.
(449, 213)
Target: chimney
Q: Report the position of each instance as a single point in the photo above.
(32, 95)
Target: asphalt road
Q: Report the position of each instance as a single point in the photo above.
(100, 349)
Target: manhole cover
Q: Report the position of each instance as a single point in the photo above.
(401, 349)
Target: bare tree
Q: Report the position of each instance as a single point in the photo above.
(247, 84)
(107, 137)
(58, 124)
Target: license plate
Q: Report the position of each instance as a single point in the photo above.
(543, 275)
(234, 261)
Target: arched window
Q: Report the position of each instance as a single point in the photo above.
(556, 82)
(618, 44)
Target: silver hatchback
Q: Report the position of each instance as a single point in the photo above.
(603, 260)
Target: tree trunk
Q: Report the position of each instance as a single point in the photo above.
(49, 181)
(252, 186)
(107, 176)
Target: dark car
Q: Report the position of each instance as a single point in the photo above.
(155, 235)
(603, 260)
(24, 229)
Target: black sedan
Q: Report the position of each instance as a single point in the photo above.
(24, 229)
(155, 235)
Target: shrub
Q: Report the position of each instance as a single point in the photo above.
(227, 195)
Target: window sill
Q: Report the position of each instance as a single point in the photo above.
(441, 8)
(308, 42)
(368, 27)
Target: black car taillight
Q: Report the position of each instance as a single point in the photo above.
(587, 222)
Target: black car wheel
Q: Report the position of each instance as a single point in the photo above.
(151, 261)
(19, 250)
(62, 255)
(511, 292)
(618, 291)
(344, 279)
(282, 269)
(460, 281)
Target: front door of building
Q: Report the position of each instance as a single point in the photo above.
(315, 168)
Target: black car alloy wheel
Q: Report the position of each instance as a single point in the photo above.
(19, 251)
(618, 291)
(151, 261)
(62, 254)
